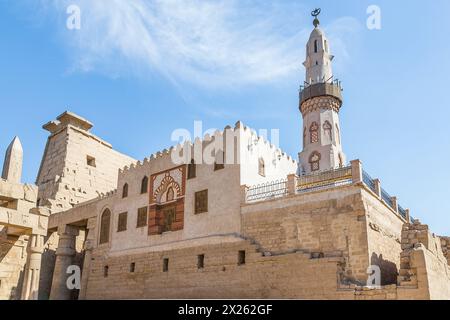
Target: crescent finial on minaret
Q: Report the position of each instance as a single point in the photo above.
(315, 14)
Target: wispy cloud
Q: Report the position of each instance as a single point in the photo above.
(221, 43)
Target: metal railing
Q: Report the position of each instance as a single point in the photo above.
(267, 191)
(368, 181)
(402, 212)
(325, 179)
(387, 198)
(320, 181)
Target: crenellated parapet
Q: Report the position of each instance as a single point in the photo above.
(234, 141)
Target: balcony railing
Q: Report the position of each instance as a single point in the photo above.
(267, 191)
(402, 212)
(387, 198)
(353, 174)
(368, 181)
(383, 194)
(324, 180)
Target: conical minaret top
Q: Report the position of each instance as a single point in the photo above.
(12, 167)
(318, 57)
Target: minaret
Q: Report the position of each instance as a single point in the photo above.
(320, 102)
(12, 167)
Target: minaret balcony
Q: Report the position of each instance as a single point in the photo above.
(333, 89)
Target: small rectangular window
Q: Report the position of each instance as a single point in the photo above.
(105, 271)
(166, 265)
(90, 161)
(142, 217)
(201, 202)
(132, 267)
(201, 261)
(122, 224)
(241, 258)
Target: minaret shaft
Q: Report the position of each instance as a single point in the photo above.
(320, 102)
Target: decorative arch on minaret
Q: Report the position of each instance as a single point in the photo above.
(327, 129)
(314, 132)
(314, 161)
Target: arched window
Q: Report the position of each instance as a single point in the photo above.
(192, 170)
(326, 46)
(170, 195)
(314, 161)
(327, 130)
(316, 46)
(144, 185)
(125, 191)
(262, 167)
(314, 132)
(105, 223)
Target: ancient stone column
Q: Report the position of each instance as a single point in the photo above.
(33, 268)
(88, 248)
(64, 258)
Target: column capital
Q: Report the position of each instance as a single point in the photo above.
(67, 230)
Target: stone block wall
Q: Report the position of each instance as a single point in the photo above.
(12, 261)
(384, 228)
(324, 223)
(293, 275)
(388, 292)
(424, 273)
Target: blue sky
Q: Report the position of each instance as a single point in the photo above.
(140, 69)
